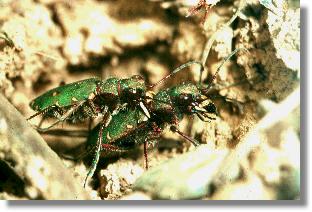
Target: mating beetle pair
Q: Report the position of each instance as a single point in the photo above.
(130, 126)
(130, 116)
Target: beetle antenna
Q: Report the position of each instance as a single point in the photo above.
(176, 71)
(205, 90)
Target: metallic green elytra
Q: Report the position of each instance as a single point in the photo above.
(89, 98)
(66, 95)
(112, 88)
(127, 128)
(123, 124)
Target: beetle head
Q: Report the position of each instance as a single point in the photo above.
(190, 100)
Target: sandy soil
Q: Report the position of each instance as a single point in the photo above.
(46, 43)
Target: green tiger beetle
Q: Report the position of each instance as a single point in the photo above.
(91, 97)
(130, 126)
(88, 98)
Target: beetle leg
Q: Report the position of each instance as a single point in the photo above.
(94, 109)
(96, 158)
(98, 147)
(62, 118)
(67, 133)
(192, 140)
(112, 148)
(36, 114)
(145, 155)
(41, 121)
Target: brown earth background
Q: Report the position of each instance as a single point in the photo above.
(252, 150)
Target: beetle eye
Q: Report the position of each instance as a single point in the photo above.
(210, 108)
(186, 97)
